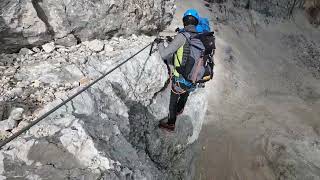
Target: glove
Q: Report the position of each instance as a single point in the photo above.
(158, 40)
(169, 38)
(177, 30)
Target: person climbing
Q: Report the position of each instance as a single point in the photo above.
(186, 53)
(203, 26)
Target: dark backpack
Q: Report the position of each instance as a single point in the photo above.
(197, 60)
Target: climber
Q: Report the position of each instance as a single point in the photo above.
(203, 26)
(177, 52)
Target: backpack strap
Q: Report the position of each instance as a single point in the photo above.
(190, 37)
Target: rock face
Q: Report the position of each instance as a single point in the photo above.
(34, 22)
(272, 9)
(108, 132)
(271, 75)
(313, 11)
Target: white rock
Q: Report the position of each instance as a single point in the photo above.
(16, 114)
(36, 84)
(20, 149)
(134, 36)
(49, 47)
(7, 124)
(95, 45)
(74, 71)
(25, 51)
(108, 48)
(35, 49)
(17, 91)
(82, 147)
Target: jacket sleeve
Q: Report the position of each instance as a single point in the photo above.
(167, 53)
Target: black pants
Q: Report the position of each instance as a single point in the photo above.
(177, 103)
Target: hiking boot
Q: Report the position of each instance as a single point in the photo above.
(166, 126)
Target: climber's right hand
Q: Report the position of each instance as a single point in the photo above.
(169, 38)
(158, 40)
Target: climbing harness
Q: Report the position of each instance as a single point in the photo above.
(15, 135)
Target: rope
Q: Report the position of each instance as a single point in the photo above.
(15, 135)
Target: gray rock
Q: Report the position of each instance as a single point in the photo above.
(95, 45)
(67, 41)
(19, 22)
(35, 49)
(16, 114)
(49, 47)
(17, 91)
(108, 48)
(36, 22)
(8, 124)
(25, 51)
(10, 71)
(108, 131)
(312, 9)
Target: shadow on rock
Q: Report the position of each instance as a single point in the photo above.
(13, 39)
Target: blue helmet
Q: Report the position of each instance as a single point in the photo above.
(192, 12)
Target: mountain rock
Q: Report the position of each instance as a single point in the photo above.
(109, 131)
(34, 22)
(48, 48)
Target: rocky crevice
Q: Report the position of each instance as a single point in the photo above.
(42, 15)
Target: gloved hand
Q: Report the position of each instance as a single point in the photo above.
(158, 40)
(177, 30)
(169, 38)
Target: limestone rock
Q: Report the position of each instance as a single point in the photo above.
(11, 122)
(25, 51)
(16, 114)
(95, 45)
(7, 124)
(20, 25)
(67, 41)
(49, 47)
(108, 48)
(36, 83)
(37, 22)
(35, 49)
(107, 131)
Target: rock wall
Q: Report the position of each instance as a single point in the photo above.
(272, 10)
(109, 131)
(271, 67)
(312, 8)
(34, 22)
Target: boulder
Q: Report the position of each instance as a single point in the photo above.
(8, 124)
(11, 122)
(16, 114)
(49, 47)
(33, 23)
(67, 41)
(95, 45)
(36, 49)
(25, 51)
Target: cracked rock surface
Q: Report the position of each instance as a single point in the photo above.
(35, 22)
(109, 131)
